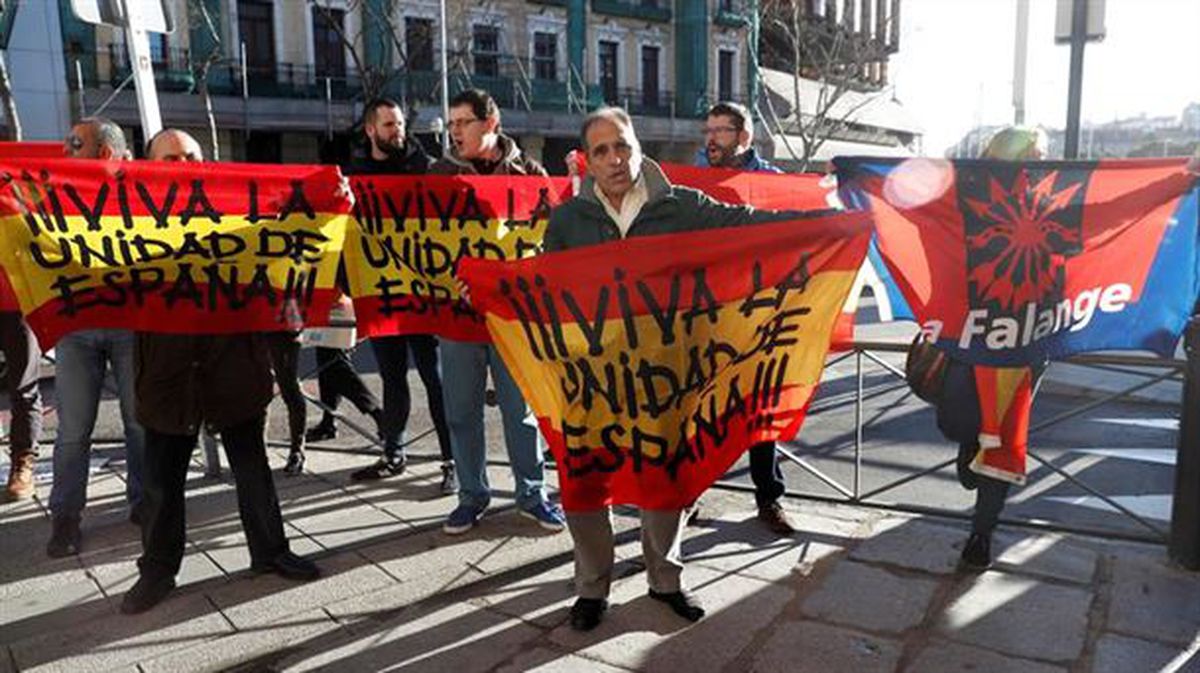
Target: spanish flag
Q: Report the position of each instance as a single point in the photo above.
(652, 363)
(169, 247)
(1005, 403)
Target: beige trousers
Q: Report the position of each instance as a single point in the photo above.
(662, 531)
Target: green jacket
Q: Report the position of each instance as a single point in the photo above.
(669, 209)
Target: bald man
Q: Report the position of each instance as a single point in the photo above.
(83, 360)
(224, 382)
(174, 145)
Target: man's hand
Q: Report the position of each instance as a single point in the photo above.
(343, 191)
(464, 292)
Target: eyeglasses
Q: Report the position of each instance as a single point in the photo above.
(719, 129)
(461, 123)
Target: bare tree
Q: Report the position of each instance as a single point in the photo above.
(10, 105)
(202, 62)
(835, 69)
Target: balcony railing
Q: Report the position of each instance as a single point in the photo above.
(646, 10)
(509, 80)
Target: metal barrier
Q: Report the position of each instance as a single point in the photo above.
(853, 493)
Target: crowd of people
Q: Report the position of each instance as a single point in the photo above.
(175, 390)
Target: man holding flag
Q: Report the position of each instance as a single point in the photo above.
(627, 195)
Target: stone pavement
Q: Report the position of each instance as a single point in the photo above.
(855, 590)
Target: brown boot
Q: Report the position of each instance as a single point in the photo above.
(20, 477)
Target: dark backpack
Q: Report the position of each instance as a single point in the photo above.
(925, 369)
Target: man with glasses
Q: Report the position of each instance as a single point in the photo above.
(481, 149)
(728, 134)
(83, 359)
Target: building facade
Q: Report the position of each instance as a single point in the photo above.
(287, 78)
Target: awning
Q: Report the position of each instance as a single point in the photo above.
(874, 109)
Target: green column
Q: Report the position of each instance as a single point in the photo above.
(79, 43)
(576, 41)
(691, 57)
(377, 43)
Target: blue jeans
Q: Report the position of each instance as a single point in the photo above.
(82, 359)
(464, 379)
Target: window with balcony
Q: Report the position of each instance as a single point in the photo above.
(725, 63)
(650, 64)
(485, 50)
(256, 26)
(158, 49)
(545, 56)
(418, 40)
(608, 71)
(329, 56)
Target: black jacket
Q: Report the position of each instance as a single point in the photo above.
(414, 161)
(183, 380)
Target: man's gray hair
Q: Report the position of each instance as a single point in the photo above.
(611, 114)
(108, 133)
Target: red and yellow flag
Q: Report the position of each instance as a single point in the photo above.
(1005, 403)
(654, 362)
(411, 233)
(169, 247)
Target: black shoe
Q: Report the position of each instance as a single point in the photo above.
(321, 432)
(449, 478)
(776, 519)
(289, 565)
(146, 593)
(65, 538)
(977, 554)
(682, 603)
(295, 463)
(379, 469)
(587, 613)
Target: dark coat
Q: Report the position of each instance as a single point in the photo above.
(513, 162)
(669, 209)
(183, 380)
(414, 161)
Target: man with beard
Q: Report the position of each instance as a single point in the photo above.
(391, 152)
(728, 134)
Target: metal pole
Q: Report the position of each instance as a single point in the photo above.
(138, 45)
(79, 89)
(328, 109)
(1079, 11)
(858, 433)
(245, 98)
(1020, 58)
(1184, 545)
(445, 83)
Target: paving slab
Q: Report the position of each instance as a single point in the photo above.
(812, 647)
(912, 543)
(454, 637)
(641, 633)
(739, 543)
(946, 657)
(542, 599)
(253, 601)
(1020, 617)
(53, 608)
(545, 660)
(1047, 555)
(382, 604)
(1152, 600)
(339, 527)
(870, 598)
(1120, 654)
(121, 641)
(261, 645)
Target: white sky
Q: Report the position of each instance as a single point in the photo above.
(954, 69)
